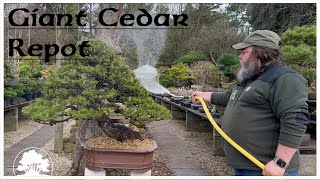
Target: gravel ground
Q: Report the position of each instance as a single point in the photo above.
(26, 127)
(308, 165)
(61, 162)
(200, 145)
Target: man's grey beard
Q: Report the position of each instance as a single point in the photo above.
(247, 70)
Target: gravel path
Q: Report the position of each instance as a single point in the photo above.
(26, 127)
(200, 145)
(61, 162)
(308, 165)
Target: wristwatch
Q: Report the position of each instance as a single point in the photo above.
(280, 162)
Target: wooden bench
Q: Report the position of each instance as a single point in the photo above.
(12, 115)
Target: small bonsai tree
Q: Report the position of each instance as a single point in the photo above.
(178, 75)
(9, 94)
(166, 79)
(8, 75)
(30, 67)
(191, 57)
(88, 89)
(228, 64)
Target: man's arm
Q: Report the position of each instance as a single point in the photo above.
(288, 98)
(283, 152)
(220, 98)
(217, 98)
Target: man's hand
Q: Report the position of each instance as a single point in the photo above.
(283, 152)
(206, 96)
(272, 169)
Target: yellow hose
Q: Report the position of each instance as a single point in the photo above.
(227, 138)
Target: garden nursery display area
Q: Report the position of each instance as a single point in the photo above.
(117, 101)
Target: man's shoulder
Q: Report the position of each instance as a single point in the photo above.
(271, 75)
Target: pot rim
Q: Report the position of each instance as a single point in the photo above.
(153, 148)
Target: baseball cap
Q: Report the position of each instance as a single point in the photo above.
(263, 38)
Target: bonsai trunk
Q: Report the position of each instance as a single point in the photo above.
(92, 128)
(86, 129)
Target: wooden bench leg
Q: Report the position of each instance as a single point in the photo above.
(178, 113)
(11, 120)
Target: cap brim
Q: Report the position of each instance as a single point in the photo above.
(241, 45)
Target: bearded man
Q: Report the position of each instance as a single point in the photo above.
(266, 111)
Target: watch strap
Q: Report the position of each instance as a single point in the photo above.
(281, 163)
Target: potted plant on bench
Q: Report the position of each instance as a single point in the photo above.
(9, 96)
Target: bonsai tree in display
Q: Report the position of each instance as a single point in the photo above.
(90, 89)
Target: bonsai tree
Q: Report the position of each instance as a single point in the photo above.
(166, 79)
(88, 89)
(191, 57)
(8, 75)
(178, 75)
(9, 94)
(228, 64)
(30, 67)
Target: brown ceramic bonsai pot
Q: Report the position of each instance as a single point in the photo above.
(121, 159)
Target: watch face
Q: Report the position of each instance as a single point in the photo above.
(281, 163)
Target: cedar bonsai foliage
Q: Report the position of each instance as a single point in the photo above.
(88, 88)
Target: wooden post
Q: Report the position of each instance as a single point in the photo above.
(11, 119)
(217, 143)
(58, 133)
(177, 113)
(58, 138)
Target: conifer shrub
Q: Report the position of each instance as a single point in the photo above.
(300, 35)
(228, 64)
(30, 67)
(177, 75)
(299, 50)
(191, 57)
(87, 88)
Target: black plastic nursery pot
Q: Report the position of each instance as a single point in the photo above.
(34, 95)
(39, 94)
(177, 101)
(7, 102)
(186, 104)
(27, 96)
(14, 101)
